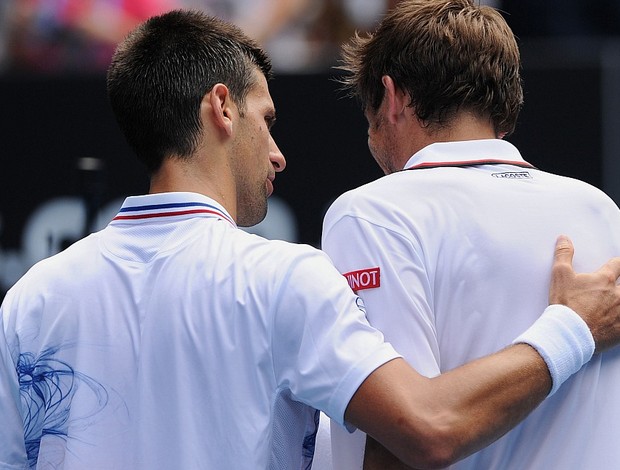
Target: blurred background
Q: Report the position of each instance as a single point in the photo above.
(66, 168)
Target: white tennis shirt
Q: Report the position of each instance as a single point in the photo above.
(460, 246)
(174, 340)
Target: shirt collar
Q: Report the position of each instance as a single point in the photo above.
(177, 205)
(467, 153)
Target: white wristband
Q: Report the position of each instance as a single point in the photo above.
(563, 340)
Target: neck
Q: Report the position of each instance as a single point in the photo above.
(464, 126)
(179, 175)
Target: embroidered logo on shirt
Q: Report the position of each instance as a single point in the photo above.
(513, 175)
(368, 278)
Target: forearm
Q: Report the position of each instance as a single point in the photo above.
(496, 400)
(482, 400)
(430, 423)
(564, 343)
(455, 414)
(499, 391)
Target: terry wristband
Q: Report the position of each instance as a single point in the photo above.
(563, 340)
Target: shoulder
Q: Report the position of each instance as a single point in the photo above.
(274, 259)
(275, 249)
(68, 264)
(378, 202)
(354, 199)
(582, 190)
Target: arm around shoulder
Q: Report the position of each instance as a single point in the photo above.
(431, 423)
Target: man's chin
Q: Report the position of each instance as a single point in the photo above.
(250, 220)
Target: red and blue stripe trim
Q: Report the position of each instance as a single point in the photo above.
(172, 209)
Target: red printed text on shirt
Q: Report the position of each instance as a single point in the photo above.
(361, 279)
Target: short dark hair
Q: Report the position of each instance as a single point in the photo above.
(162, 70)
(448, 55)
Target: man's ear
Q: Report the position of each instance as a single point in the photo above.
(396, 100)
(217, 107)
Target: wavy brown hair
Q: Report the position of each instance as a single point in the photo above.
(448, 55)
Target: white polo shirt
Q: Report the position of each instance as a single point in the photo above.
(173, 340)
(452, 258)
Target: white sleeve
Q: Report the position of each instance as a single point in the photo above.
(325, 348)
(400, 306)
(12, 447)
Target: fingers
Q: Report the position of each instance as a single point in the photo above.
(562, 271)
(611, 269)
(564, 251)
(594, 296)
